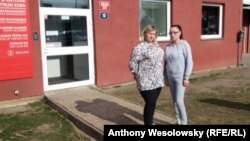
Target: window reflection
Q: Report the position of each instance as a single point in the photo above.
(210, 20)
(84, 4)
(66, 31)
(154, 12)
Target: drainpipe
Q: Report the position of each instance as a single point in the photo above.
(240, 37)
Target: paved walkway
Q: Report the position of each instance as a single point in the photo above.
(246, 60)
(90, 109)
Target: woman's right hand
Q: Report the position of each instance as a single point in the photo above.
(134, 74)
(166, 83)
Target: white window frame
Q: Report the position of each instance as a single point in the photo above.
(168, 14)
(215, 36)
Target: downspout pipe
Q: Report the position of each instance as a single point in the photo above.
(240, 36)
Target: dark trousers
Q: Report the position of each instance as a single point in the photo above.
(150, 97)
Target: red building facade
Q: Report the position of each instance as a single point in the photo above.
(112, 31)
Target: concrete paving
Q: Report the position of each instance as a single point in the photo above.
(90, 109)
(246, 60)
(17, 105)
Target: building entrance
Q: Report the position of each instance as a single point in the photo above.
(67, 43)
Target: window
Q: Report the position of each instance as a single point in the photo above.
(211, 21)
(82, 4)
(66, 31)
(156, 12)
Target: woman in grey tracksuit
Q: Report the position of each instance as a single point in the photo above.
(178, 68)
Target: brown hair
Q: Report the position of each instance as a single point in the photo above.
(180, 29)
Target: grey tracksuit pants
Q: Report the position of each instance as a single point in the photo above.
(178, 91)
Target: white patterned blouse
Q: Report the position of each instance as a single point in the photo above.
(146, 63)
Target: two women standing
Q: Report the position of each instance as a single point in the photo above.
(147, 65)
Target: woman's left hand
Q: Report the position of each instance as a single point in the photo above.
(185, 83)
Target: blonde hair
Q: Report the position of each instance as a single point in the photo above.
(146, 29)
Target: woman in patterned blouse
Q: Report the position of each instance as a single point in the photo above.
(146, 64)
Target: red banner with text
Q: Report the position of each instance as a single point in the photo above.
(15, 40)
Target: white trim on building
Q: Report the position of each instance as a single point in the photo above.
(246, 2)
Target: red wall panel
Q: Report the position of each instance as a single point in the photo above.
(15, 45)
(114, 39)
(32, 86)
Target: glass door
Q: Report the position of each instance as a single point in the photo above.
(67, 44)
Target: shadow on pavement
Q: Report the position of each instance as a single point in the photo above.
(113, 112)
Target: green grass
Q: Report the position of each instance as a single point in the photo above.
(41, 123)
(218, 98)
